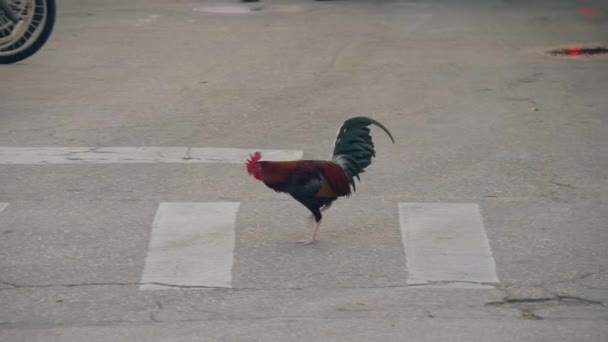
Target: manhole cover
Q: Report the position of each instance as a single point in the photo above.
(579, 51)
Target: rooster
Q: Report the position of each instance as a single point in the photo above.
(318, 183)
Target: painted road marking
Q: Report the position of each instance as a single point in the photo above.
(251, 9)
(3, 206)
(149, 19)
(135, 155)
(225, 9)
(446, 245)
(192, 244)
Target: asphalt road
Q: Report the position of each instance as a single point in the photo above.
(480, 113)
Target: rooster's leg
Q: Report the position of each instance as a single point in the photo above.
(316, 220)
(322, 210)
(313, 238)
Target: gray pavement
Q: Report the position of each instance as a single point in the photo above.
(479, 114)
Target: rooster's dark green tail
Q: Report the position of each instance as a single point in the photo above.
(354, 148)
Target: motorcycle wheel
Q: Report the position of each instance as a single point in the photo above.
(20, 41)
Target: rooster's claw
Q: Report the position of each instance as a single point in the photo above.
(308, 241)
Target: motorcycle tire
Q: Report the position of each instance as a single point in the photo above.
(39, 18)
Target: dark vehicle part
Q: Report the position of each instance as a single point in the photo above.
(25, 25)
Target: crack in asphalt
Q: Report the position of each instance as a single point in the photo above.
(19, 286)
(448, 282)
(12, 286)
(90, 150)
(157, 321)
(565, 185)
(559, 299)
(430, 283)
(552, 295)
(553, 298)
(552, 180)
(189, 155)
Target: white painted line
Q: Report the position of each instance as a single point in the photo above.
(224, 9)
(446, 245)
(192, 244)
(249, 9)
(135, 155)
(147, 20)
(3, 206)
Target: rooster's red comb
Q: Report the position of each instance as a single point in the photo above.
(254, 158)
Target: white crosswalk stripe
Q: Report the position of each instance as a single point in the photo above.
(192, 244)
(135, 155)
(3, 205)
(446, 243)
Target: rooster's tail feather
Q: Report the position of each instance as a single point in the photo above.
(354, 148)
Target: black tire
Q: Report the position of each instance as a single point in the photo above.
(6, 57)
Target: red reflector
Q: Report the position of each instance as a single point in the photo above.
(574, 51)
(591, 12)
